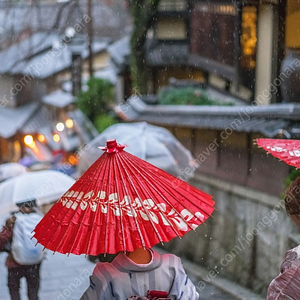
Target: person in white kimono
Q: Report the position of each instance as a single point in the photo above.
(138, 272)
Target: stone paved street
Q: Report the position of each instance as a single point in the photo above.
(211, 292)
(65, 278)
(62, 277)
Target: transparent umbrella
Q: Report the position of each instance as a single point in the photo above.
(153, 144)
(44, 186)
(8, 170)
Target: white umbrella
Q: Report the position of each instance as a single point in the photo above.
(152, 143)
(8, 170)
(44, 186)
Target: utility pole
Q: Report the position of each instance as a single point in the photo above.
(90, 36)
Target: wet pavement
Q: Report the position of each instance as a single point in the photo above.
(65, 278)
(62, 277)
(217, 287)
(210, 291)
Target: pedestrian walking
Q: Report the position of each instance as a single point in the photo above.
(24, 258)
(137, 274)
(287, 284)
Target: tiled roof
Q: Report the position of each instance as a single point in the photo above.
(38, 57)
(14, 119)
(268, 120)
(58, 99)
(14, 57)
(108, 20)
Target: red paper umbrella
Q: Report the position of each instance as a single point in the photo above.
(286, 150)
(122, 203)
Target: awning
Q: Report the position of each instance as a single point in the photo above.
(42, 55)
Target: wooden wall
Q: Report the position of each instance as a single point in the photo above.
(234, 157)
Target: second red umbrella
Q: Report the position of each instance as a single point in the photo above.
(122, 203)
(286, 150)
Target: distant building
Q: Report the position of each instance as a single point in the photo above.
(41, 63)
(32, 74)
(43, 129)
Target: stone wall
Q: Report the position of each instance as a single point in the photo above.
(246, 238)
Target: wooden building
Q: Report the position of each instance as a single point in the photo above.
(245, 49)
(239, 45)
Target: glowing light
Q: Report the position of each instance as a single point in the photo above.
(28, 140)
(56, 137)
(72, 160)
(60, 126)
(248, 37)
(69, 123)
(41, 138)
